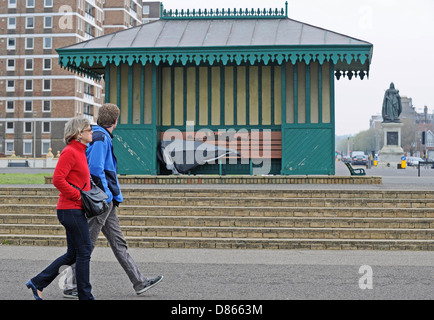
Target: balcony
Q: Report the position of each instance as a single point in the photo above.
(89, 117)
(89, 98)
(89, 17)
(88, 36)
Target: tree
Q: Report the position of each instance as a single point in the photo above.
(367, 141)
(409, 135)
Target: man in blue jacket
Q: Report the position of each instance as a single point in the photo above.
(103, 170)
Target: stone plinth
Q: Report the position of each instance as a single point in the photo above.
(391, 153)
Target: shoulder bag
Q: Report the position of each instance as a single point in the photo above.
(94, 201)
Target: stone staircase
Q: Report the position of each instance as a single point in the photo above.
(189, 217)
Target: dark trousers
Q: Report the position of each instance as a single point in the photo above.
(78, 252)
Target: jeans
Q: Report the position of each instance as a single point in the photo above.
(108, 223)
(78, 252)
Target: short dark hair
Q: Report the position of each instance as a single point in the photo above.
(108, 114)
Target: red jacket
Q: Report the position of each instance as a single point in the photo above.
(71, 168)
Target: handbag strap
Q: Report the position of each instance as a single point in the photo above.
(81, 190)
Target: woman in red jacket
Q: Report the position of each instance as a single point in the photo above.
(71, 168)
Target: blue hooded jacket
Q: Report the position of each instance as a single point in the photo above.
(102, 163)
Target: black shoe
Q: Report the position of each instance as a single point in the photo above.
(70, 294)
(152, 283)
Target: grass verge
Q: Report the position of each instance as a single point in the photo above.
(23, 178)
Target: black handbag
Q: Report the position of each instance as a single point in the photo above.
(94, 201)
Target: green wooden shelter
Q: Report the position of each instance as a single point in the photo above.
(240, 70)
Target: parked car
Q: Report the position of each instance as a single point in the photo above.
(360, 159)
(357, 153)
(413, 161)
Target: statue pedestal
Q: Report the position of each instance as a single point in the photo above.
(391, 153)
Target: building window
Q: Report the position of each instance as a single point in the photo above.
(45, 146)
(88, 89)
(88, 29)
(87, 109)
(46, 127)
(11, 65)
(12, 23)
(12, 4)
(29, 43)
(48, 3)
(47, 64)
(30, 22)
(47, 43)
(78, 107)
(27, 147)
(10, 106)
(10, 85)
(28, 85)
(28, 106)
(30, 4)
(47, 85)
(9, 147)
(145, 10)
(9, 127)
(48, 22)
(11, 44)
(28, 126)
(28, 65)
(46, 106)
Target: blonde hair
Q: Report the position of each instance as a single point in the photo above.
(74, 127)
(107, 114)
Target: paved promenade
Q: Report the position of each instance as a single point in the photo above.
(397, 179)
(213, 274)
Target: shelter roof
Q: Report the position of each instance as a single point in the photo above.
(219, 33)
(222, 38)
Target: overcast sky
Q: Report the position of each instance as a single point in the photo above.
(402, 32)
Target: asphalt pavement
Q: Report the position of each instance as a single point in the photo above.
(247, 275)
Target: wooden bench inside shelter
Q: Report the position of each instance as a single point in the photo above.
(249, 145)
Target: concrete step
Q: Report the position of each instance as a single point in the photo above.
(242, 201)
(187, 191)
(235, 218)
(239, 232)
(235, 243)
(137, 210)
(240, 179)
(232, 221)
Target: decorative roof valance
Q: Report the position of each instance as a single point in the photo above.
(224, 13)
(185, 39)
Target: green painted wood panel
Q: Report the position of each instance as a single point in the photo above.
(135, 149)
(307, 151)
(221, 96)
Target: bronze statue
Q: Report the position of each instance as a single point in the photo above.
(392, 106)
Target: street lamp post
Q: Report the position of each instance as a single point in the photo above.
(34, 139)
